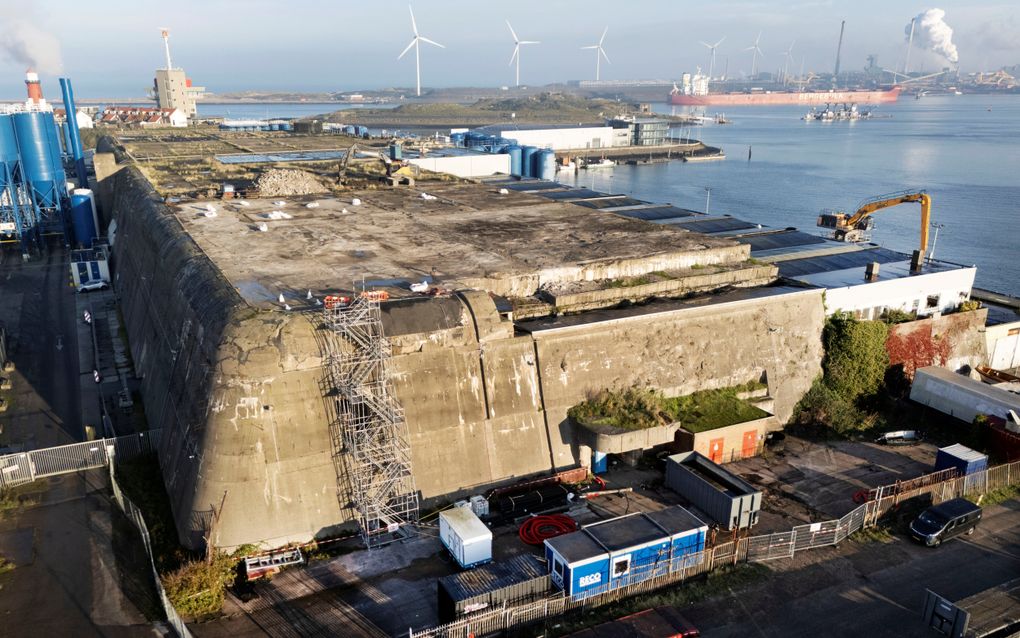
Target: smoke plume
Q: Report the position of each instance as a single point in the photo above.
(933, 34)
(30, 46)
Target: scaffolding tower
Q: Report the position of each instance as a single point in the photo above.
(369, 432)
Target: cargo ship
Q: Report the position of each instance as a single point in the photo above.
(759, 98)
(695, 92)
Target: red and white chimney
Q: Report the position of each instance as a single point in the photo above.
(34, 88)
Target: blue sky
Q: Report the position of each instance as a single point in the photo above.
(111, 47)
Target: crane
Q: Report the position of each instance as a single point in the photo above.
(849, 228)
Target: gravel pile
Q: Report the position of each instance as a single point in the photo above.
(280, 182)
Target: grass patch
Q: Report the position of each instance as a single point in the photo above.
(995, 497)
(638, 409)
(876, 534)
(719, 582)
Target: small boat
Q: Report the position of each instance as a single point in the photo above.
(605, 162)
(991, 375)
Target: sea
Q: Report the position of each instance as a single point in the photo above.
(964, 150)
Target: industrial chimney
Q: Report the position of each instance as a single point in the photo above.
(34, 88)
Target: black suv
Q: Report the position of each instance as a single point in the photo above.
(941, 522)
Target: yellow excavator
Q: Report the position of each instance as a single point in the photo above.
(854, 227)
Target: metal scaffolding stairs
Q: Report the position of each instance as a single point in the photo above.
(370, 433)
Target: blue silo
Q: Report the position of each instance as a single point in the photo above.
(8, 174)
(545, 164)
(82, 221)
(527, 161)
(515, 159)
(41, 164)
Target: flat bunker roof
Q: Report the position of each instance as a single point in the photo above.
(455, 235)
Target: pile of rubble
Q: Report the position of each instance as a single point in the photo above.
(280, 182)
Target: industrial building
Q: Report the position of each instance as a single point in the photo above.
(35, 196)
(172, 89)
(558, 137)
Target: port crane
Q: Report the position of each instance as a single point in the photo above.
(852, 228)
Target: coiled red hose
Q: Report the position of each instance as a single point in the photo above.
(538, 528)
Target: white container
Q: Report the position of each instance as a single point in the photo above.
(466, 537)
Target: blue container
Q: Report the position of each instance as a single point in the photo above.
(599, 462)
(8, 149)
(527, 160)
(457, 139)
(396, 152)
(545, 164)
(622, 551)
(40, 157)
(287, 126)
(274, 127)
(515, 159)
(82, 221)
(963, 459)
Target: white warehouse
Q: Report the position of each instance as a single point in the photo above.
(558, 138)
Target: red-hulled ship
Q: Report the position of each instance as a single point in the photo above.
(759, 98)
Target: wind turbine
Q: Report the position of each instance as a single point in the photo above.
(712, 48)
(517, 50)
(415, 42)
(599, 53)
(754, 56)
(786, 61)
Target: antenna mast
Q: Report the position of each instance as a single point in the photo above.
(166, 45)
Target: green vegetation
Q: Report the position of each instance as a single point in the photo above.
(970, 305)
(195, 586)
(5, 565)
(719, 582)
(637, 409)
(995, 497)
(875, 534)
(892, 316)
(854, 368)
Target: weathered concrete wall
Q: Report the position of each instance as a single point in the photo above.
(950, 341)
(684, 351)
(235, 391)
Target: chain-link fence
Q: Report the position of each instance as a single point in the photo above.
(135, 516)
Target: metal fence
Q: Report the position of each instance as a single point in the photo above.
(135, 516)
(941, 486)
(26, 467)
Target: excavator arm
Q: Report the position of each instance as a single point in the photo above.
(871, 206)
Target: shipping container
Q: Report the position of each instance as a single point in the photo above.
(726, 498)
(465, 536)
(625, 550)
(962, 458)
(517, 580)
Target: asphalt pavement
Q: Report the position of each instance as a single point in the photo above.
(869, 589)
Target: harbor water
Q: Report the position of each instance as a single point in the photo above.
(964, 150)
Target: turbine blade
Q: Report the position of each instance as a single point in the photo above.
(424, 39)
(512, 32)
(720, 41)
(529, 42)
(514, 56)
(414, 25)
(402, 53)
(594, 46)
(604, 55)
(604, 32)
(706, 44)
